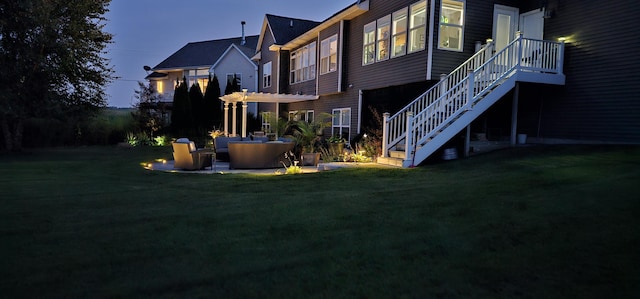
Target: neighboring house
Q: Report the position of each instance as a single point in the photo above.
(567, 75)
(227, 58)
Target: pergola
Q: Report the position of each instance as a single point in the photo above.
(244, 97)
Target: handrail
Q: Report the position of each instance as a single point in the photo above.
(434, 109)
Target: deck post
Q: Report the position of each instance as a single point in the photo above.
(385, 134)
(409, 137)
(514, 114)
(470, 91)
(467, 140)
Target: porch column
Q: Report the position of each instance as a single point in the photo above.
(514, 114)
(226, 118)
(234, 119)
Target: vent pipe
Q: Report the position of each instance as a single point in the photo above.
(244, 41)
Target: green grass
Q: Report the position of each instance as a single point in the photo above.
(535, 222)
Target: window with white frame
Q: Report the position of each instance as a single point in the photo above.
(384, 34)
(417, 26)
(329, 54)
(399, 33)
(266, 75)
(200, 76)
(451, 30)
(341, 124)
(369, 44)
(303, 64)
(305, 115)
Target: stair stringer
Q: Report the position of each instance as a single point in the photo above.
(427, 148)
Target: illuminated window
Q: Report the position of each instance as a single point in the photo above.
(341, 124)
(306, 115)
(384, 30)
(417, 26)
(303, 64)
(329, 55)
(399, 33)
(160, 87)
(266, 75)
(451, 33)
(369, 43)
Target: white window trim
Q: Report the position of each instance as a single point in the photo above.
(307, 73)
(402, 13)
(329, 40)
(371, 29)
(266, 75)
(412, 27)
(339, 128)
(440, 23)
(383, 38)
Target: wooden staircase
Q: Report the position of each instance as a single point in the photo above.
(430, 121)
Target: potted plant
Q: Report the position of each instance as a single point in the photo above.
(336, 144)
(305, 135)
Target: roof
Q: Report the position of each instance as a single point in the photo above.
(205, 53)
(156, 75)
(285, 28)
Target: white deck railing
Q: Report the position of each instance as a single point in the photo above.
(462, 88)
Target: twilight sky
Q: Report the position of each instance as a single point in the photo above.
(148, 31)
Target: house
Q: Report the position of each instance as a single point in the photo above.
(228, 59)
(554, 70)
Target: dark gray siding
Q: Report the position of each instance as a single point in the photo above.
(268, 56)
(328, 83)
(600, 101)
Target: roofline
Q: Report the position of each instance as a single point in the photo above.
(348, 13)
(265, 23)
(227, 51)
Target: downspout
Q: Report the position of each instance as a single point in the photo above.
(359, 110)
(340, 46)
(432, 20)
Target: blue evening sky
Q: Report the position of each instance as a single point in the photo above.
(148, 31)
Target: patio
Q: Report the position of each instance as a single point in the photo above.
(222, 167)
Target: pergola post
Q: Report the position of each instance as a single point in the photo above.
(244, 113)
(226, 118)
(234, 119)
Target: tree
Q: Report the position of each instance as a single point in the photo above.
(212, 104)
(50, 52)
(197, 107)
(181, 121)
(148, 114)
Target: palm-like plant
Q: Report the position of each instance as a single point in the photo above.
(306, 133)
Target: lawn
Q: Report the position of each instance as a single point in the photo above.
(530, 222)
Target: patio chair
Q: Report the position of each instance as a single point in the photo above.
(186, 156)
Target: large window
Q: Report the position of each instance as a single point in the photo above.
(160, 87)
(399, 33)
(369, 42)
(417, 26)
(303, 64)
(266, 75)
(341, 124)
(451, 33)
(200, 76)
(234, 79)
(384, 32)
(387, 36)
(329, 55)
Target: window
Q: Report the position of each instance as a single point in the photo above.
(341, 124)
(451, 33)
(303, 64)
(329, 55)
(399, 33)
(200, 76)
(306, 115)
(159, 87)
(234, 79)
(417, 26)
(384, 30)
(266, 75)
(369, 43)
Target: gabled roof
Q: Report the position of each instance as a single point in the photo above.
(284, 29)
(244, 51)
(205, 53)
